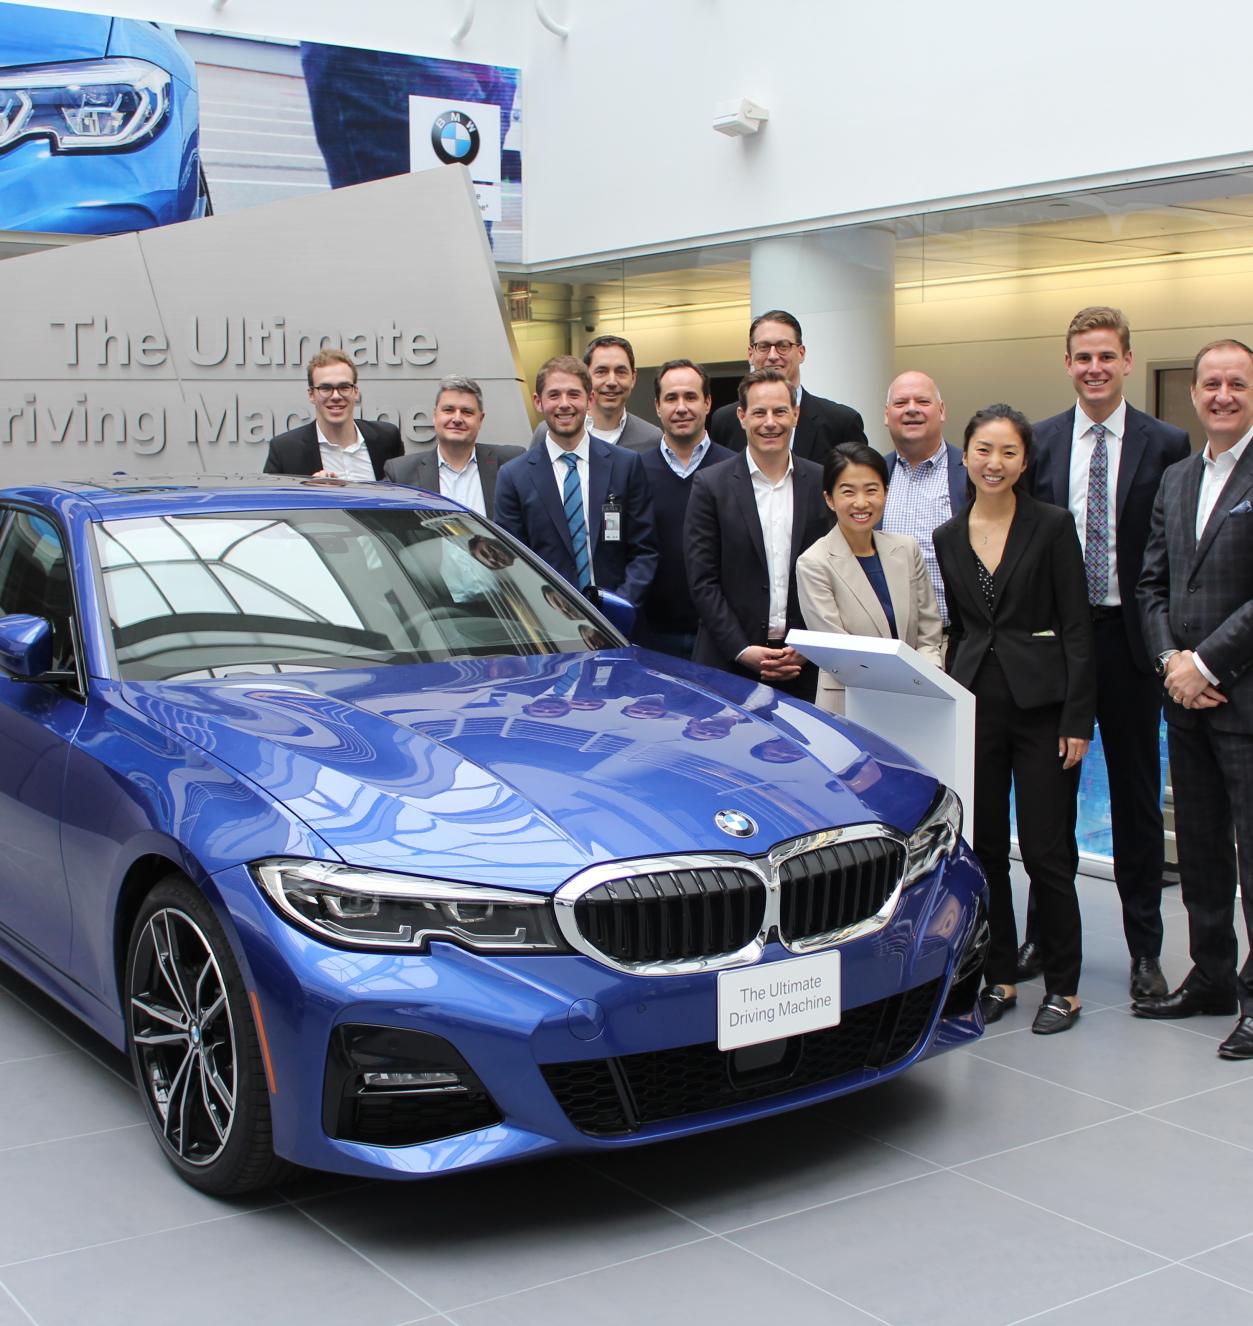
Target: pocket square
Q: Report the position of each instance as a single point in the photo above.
(1038, 635)
(1243, 509)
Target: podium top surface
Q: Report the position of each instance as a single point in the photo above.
(874, 663)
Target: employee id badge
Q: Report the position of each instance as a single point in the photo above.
(611, 518)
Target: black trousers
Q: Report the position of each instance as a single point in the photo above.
(1211, 775)
(1019, 747)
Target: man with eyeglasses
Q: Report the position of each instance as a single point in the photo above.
(775, 341)
(335, 445)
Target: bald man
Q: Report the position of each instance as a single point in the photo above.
(926, 480)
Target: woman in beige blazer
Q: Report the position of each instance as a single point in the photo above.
(857, 580)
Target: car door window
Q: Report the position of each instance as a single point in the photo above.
(35, 577)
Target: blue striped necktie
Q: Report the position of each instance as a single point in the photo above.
(1096, 532)
(572, 500)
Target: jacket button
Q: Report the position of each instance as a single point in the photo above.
(1192, 589)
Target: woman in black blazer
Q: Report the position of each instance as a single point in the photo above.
(1021, 639)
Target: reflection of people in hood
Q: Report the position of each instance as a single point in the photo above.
(778, 750)
(491, 553)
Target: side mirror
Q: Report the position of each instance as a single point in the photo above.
(620, 611)
(25, 645)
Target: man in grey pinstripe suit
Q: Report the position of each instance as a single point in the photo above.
(1196, 594)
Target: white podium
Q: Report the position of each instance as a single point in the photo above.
(891, 689)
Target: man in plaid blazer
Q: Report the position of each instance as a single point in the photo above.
(1196, 594)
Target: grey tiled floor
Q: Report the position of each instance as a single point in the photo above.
(1104, 1176)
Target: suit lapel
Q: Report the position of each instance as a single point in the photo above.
(803, 436)
(896, 570)
(1238, 485)
(747, 502)
(845, 565)
(546, 486)
(600, 470)
(1059, 478)
(1021, 532)
(802, 495)
(1191, 500)
(428, 470)
(487, 477)
(1133, 451)
(964, 562)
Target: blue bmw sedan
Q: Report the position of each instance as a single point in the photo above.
(381, 852)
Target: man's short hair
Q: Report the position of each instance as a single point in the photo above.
(455, 382)
(680, 363)
(325, 357)
(620, 341)
(1226, 343)
(1100, 317)
(763, 375)
(563, 364)
(775, 315)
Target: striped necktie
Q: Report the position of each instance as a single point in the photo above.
(1096, 531)
(572, 500)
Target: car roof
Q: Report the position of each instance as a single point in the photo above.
(127, 496)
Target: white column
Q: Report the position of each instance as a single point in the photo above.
(840, 286)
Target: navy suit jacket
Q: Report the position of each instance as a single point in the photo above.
(529, 506)
(1148, 448)
(823, 424)
(957, 481)
(296, 451)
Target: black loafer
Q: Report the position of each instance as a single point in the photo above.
(1239, 1045)
(1055, 1015)
(994, 1001)
(1030, 961)
(1147, 981)
(1184, 1003)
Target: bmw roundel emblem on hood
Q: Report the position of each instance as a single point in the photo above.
(736, 823)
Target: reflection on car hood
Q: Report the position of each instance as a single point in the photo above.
(521, 771)
(36, 36)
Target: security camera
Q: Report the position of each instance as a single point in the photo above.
(738, 119)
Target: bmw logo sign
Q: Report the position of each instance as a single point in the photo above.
(736, 823)
(455, 138)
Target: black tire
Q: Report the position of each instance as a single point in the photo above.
(194, 1047)
(202, 185)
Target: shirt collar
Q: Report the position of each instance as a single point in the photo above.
(755, 471)
(324, 441)
(472, 463)
(699, 452)
(937, 457)
(582, 451)
(1115, 424)
(1233, 452)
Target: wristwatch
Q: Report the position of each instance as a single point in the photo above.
(1162, 659)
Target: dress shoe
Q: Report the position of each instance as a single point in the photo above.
(1184, 1003)
(1239, 1045)
(994, 1001)
(1147, 981)
(1056, 1014)
(1030, 960)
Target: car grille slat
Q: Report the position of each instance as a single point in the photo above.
(834, 887)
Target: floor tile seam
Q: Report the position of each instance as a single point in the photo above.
(1218, 1247)
(65, 1035)
(134, 1238)
(1048, 1081)
(592, 1168)
(584, 1272)
(1182, 1024)
(1061, 1215)
(800, 1279)
(71, 1137)
(936, 1168)
(1209, 1275)
(367, 1259)
(1195, 1095)
(1093, 1293)
(17, 1303)
(1199, 1132)
(34, 1058)
(1039, 1141)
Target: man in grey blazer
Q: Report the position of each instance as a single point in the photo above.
(611, 362)
(1196, 596)
(458, 465)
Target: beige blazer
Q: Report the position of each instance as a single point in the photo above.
(836, 595)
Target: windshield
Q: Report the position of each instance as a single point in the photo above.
(294, 591)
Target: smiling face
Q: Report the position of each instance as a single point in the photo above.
(914, 415)
(1098, 365)
(334, 394)
(613, 378)
(857, 497)
(457, 418)
(776, 345)
(563, 403)
(682, 406)
(768, 419)
(1223, 395)
(995, 456)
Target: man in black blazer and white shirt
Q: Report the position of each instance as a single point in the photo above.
(1196, 595)
(775, 341)
(1103, 440)
(335, 444)
(748, 520)
(458, 465)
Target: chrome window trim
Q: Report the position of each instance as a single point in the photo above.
(766, 869)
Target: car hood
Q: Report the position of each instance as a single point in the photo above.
(37, 36)
(522, 771)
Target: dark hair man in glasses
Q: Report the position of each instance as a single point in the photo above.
(775, 341)
(335, 444)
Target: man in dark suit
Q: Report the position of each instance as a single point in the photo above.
(926, 478)
(579, 503)
(611, 362)
(748, 520)
(681, 389)
(458, 465)
(335, 444)
(775, 341)
(1196, 594)
(1103, 460)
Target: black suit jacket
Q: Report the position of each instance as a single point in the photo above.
(1149, 446)
(421, 470)
(296, 452)
(1199, 594)
(1041, 627)
(823, 424)
(726, 556)
(529, 506)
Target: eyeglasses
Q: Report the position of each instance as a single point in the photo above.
(764, 347)
(328, 389)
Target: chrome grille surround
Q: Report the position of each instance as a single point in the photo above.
(765, 868)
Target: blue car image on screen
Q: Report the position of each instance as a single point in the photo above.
(99, 124)
(381, 851)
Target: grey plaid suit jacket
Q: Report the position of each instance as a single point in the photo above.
(1198, 594)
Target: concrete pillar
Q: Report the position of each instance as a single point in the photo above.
(840, 285)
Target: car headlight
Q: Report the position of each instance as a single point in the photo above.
(378, 909)
(935, 838)
(83, 105)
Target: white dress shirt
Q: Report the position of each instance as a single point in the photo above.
(610, 435)
(1082, 445)
(583, 451)
(774, 511)
(464, 485)
(347, 462)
